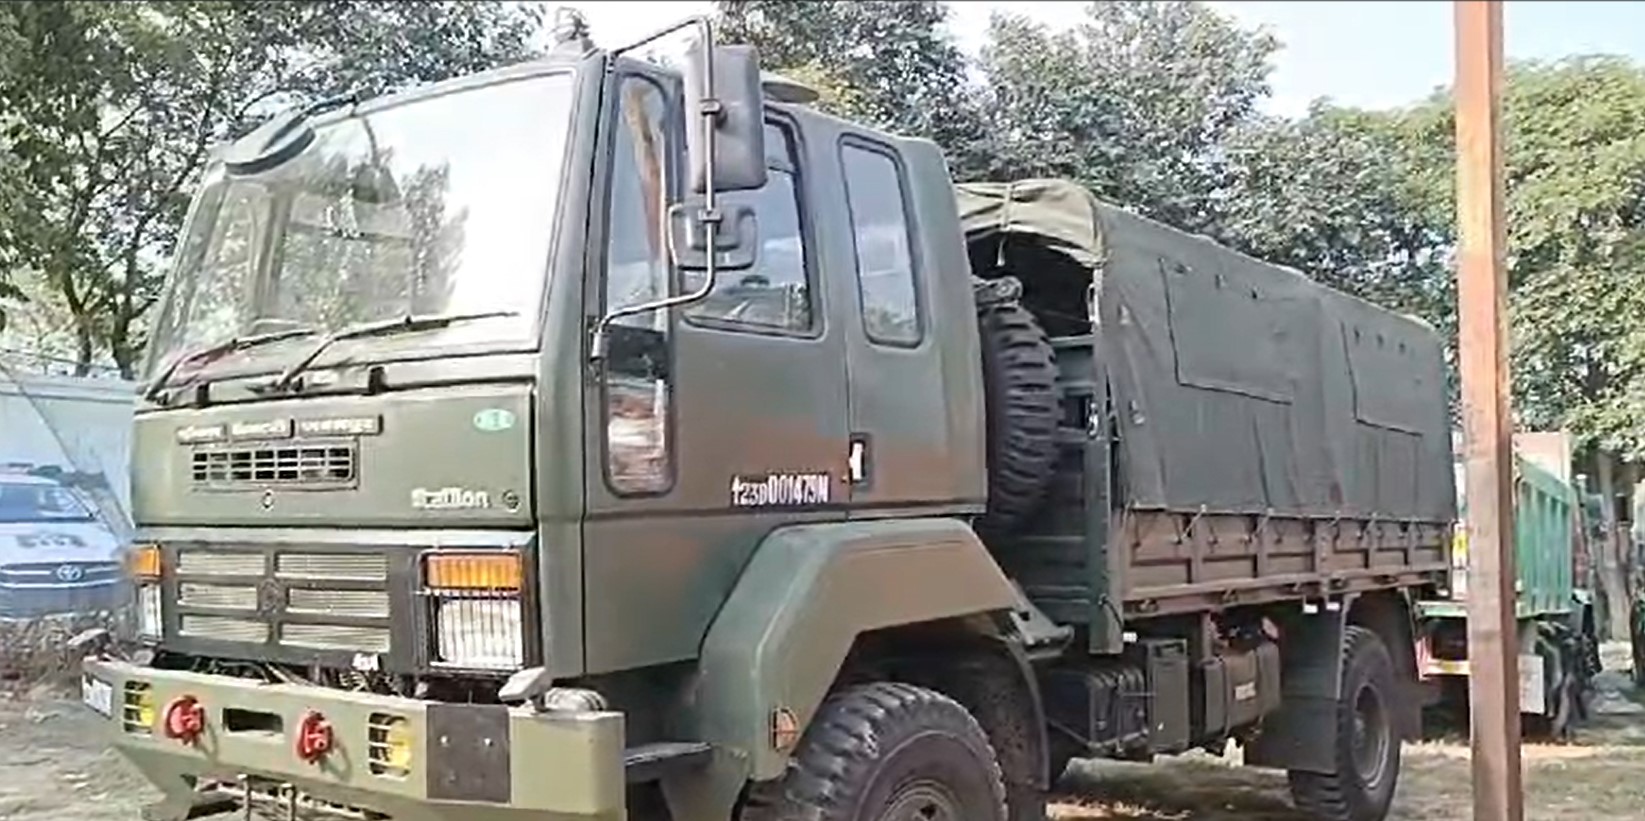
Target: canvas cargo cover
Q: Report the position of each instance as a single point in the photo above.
(1237, 386)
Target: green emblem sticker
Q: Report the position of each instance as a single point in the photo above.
(492, 420)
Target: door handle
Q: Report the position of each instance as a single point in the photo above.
(857, 460)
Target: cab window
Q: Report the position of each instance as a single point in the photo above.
(775, 294)
(637, 385)
(885, 259)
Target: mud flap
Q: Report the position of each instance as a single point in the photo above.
(1302, 733)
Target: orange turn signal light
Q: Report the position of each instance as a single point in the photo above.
(143, 562)
(473, 571)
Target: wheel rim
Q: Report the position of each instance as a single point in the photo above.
(1372, 737)
(922, 801)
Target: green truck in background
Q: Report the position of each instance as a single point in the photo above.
(589, 439)
(1559, 645)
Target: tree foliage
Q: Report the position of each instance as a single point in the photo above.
(1138, 102)
(116, 106)
(887, 63)
(109, 110)
(1576, 204)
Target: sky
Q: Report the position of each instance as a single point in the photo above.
(1367, 54)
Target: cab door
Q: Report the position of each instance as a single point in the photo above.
(912, 450)
(708, 425)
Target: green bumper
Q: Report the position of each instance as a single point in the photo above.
(470, 762)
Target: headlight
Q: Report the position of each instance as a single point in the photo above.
(478, 620)
(482, 633)
(148, 610)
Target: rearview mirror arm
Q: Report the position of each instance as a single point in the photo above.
(597, 346)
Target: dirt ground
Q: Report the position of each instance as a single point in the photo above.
(54, 767)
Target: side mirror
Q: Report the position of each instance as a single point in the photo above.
(722, 87)
(736, 239)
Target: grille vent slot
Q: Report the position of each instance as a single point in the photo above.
(227, 597)
(223, 628)
(204, 563)
(352, 567)
(362, 604)
(331, 464)
(336, 637)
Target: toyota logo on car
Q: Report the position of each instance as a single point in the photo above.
(70, 573)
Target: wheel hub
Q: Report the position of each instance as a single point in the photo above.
(922, 801)
(1371, 736)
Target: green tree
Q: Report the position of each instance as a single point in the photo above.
(12, 51)
(116, 106)
(1576, 204)
(891, 65)
(1351, 198)
(1138, 102)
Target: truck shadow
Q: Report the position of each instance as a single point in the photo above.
(1199, 788)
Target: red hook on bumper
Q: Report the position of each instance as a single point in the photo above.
(314, 738)
(185, 719)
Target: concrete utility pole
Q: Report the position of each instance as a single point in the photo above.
(1493, 644)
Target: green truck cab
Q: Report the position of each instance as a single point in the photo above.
(589, 439)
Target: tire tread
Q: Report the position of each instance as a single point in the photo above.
(841, 748)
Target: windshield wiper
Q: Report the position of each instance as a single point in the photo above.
(383, 327)
(227, 346)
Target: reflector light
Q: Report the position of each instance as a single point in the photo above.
(473, 571)
(143, 562)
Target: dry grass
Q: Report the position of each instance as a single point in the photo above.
(35, 653)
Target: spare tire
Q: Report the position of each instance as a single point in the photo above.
(1020, 398)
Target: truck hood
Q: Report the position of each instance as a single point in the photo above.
(434, 457)
(56, 543)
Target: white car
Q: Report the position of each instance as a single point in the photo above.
(56, 557)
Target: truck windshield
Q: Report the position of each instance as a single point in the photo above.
(438, 205)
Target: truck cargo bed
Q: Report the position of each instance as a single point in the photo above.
(1233, 432)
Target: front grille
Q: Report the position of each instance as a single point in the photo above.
(318, 464)
(291, 600)
(59, 573)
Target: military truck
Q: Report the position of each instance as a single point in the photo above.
(1558, 639)
(478, 479)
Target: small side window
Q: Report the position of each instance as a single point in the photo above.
(638, 389)
(775, 294)
(885, 259)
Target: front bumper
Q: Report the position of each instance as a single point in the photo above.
(470, 762)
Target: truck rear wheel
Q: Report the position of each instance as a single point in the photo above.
(1019, 382)
(1367, 748)
(887, 752)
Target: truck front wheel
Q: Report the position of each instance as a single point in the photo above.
(887, 752)
(1367, 748)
